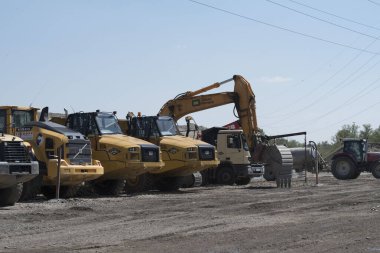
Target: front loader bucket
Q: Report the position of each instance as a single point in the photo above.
(278, 162)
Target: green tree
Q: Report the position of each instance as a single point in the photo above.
(366, 132)
(347, 131)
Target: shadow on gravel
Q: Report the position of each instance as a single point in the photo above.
(260, 187)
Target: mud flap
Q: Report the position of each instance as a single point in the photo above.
(279, 161)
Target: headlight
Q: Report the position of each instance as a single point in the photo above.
(173, 151)
(134, 149)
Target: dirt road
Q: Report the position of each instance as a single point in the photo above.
(338, 216)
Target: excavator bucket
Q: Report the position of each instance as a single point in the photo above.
(278, 162)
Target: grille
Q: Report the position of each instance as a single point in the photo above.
(20, 169)
(13, 151)
(206, 153)
(150, 153)
(79, 151)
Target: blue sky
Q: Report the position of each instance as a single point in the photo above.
(136, 55)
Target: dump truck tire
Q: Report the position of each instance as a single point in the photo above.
(109, 187)
(169, 184)
(243, 181)
(343, 168)
(142, 183)
(376, 170)
(31, 188)
(65, 192)
(225, 176)
(9, 196)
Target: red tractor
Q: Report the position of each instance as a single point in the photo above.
(355, 159)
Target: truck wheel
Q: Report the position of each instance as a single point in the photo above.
(169, 184)
(343, 168)
(31, 188)
(109, 187)
(243, 181)
(9, 196)
(225, 176)
(141, 183)
(269, 175)
(376, 170)
(65, 192)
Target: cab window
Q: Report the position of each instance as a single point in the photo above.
(3, 121)
(20, 118)
(233, 141)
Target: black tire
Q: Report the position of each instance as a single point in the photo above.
(269, 175)
(225, 176)
(356, 174)
(243, 181)
(142, 183)
(31, 188)
(343, 168)
(169, 184)
(376, 170)
(9, 196)
(109, 187)
(65, 192)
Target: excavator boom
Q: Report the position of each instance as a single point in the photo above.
(245, 104)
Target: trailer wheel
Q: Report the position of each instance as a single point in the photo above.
(343, 168)
(243, 181)
(169, 184)
(109, 187)
(376, 170)
(225, 176)
(141, 183)
(9, 196)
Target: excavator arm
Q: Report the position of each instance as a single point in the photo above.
(242, 96)
(276, 158)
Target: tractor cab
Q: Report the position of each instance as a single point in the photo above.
(356, 148)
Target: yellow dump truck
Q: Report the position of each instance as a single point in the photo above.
(16, 166)
(50, 143)
(182, 155)
(124, 158)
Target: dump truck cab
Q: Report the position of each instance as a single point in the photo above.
(182, 155)
(123, 157)
(48, 141)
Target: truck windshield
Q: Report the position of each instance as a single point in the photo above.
(244, 142)
(107, 124)
(20, 118)
(166, 126)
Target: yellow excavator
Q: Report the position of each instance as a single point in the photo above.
(54, 146)
(278, 160)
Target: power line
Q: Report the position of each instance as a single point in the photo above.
(283, 28)
(322, 20)
(374, 2)
(348, 118)
(334, 15)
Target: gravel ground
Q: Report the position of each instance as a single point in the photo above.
(335, 216)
